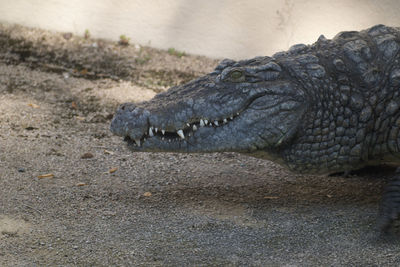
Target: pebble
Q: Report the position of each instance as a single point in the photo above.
(87, 155)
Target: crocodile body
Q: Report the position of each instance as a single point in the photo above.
(321, 108)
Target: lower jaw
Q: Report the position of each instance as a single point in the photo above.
(165, 146)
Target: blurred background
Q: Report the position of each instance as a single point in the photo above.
(224, 28)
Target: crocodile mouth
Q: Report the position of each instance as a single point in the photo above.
(179, 135)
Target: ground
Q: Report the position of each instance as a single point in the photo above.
(71, 193)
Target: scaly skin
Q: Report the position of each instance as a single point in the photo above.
(327, 107)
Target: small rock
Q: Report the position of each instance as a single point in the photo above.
(74, 105)
(67, 35)
(87, 155)
(108, 152)
(147, 194)
(21, 169)
(98, 118)
(112, 170)
(30, 128)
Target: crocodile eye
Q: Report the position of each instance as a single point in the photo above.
(236, 76)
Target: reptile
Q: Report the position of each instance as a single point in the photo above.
(333, 106)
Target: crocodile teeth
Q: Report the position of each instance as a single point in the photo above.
(202, 123)
(156, 130)
(188, 125)
(194, 128)
(163, 132)
(225, 121)
(205, 122)
(137, 141)
(180, 133)
(151, 132)
(216, 123)
(231, 117)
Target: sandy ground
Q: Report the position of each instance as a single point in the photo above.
(72, 194)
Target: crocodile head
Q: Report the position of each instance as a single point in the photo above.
(249, 106)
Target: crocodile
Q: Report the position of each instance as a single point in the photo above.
(333, 106)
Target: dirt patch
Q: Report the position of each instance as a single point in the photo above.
(97, 59)
(10, 227)
(71, 193)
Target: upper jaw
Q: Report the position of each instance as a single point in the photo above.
(168, 119)
(179, 137)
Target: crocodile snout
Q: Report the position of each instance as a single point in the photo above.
(130, 120)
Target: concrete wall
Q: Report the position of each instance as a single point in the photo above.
(216, 28)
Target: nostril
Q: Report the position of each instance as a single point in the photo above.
(127, 106)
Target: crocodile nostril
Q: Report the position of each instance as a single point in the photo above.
(127, 106)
